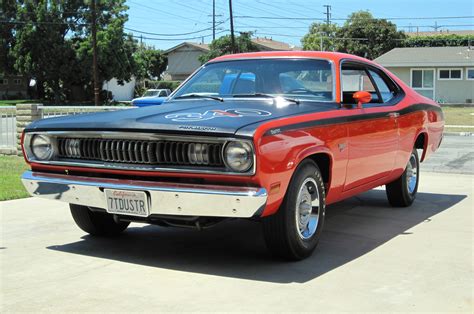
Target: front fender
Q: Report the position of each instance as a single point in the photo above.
(280, 154)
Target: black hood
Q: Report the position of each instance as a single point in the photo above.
(184, 116)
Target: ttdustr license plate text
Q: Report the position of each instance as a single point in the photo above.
(127, 202)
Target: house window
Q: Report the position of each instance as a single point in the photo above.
(17, 81)
(470, 74)
(450, 74)
(3, 82)
(422, 81)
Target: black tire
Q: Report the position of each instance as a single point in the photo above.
(401, 193)
(96, 223)
(281, 230)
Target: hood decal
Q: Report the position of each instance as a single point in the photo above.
(211, 114)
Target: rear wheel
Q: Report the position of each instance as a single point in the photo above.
(96, 223)
(294, 231)
(402, 191)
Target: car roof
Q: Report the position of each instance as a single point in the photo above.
(332, 56)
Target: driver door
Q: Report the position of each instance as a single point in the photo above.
(373, 136)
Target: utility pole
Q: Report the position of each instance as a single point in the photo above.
(213, 20)
(232, 37)
(328, 13)
(94, 57)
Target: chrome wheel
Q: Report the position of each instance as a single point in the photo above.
(307, 209)
(412, 174)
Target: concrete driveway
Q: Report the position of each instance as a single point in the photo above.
(371, 258)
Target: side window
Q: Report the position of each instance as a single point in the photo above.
(385, 92)
(354, 80)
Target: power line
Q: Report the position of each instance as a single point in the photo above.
(168, 34)
(176, 39)
(165, 12)
(398, 26)
(359, 39)
(345, 19)
(45, 23)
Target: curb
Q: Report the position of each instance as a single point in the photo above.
(458, 133)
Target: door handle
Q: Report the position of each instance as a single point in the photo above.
(393, 115)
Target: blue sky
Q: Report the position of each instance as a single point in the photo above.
(172, 19)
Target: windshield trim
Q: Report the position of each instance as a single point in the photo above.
(331, 63)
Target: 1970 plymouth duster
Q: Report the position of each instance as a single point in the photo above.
(291, 133)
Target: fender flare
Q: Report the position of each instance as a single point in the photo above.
(311, 151)
(423, 131)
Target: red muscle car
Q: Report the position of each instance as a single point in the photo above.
(273, 136)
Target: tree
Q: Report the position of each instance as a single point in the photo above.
(440, 40)
(7, 13)
(223, 46)
(115, 49)
(40, 47)
(365, 36)
(150, 63)
(53, 43)
(320, 37)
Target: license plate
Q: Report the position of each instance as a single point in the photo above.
(132, 203)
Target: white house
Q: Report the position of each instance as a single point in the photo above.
(445, 74)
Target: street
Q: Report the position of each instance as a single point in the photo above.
(456, 155)
(371, 258)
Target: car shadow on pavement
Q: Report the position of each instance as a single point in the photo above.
(236, 248)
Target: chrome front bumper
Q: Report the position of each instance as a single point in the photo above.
(164, 198)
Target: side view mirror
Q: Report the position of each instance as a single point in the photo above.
(362, 97)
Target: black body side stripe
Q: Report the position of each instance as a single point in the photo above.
(347, 119)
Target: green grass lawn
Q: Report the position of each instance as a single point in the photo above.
(11, 168)
(14, 102)
(459, 116)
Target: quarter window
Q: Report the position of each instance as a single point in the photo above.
(354, 79)
(450, 74)
(384, 90)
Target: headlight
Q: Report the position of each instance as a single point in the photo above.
(238, 156)
(42, 147)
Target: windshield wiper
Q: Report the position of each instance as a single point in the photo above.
(200, 96)
(294, 100)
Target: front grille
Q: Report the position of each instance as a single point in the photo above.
(162, 152)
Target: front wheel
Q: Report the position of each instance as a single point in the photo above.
(96, 223)
(294, 231)
(402, 191)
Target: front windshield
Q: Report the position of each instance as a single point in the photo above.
(305, 79)
(151, 93)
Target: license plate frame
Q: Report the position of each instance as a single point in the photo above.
(127, 202)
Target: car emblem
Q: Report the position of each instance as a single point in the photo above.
(212, 114)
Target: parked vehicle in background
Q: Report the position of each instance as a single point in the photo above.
(269, 136)
(152, 97)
